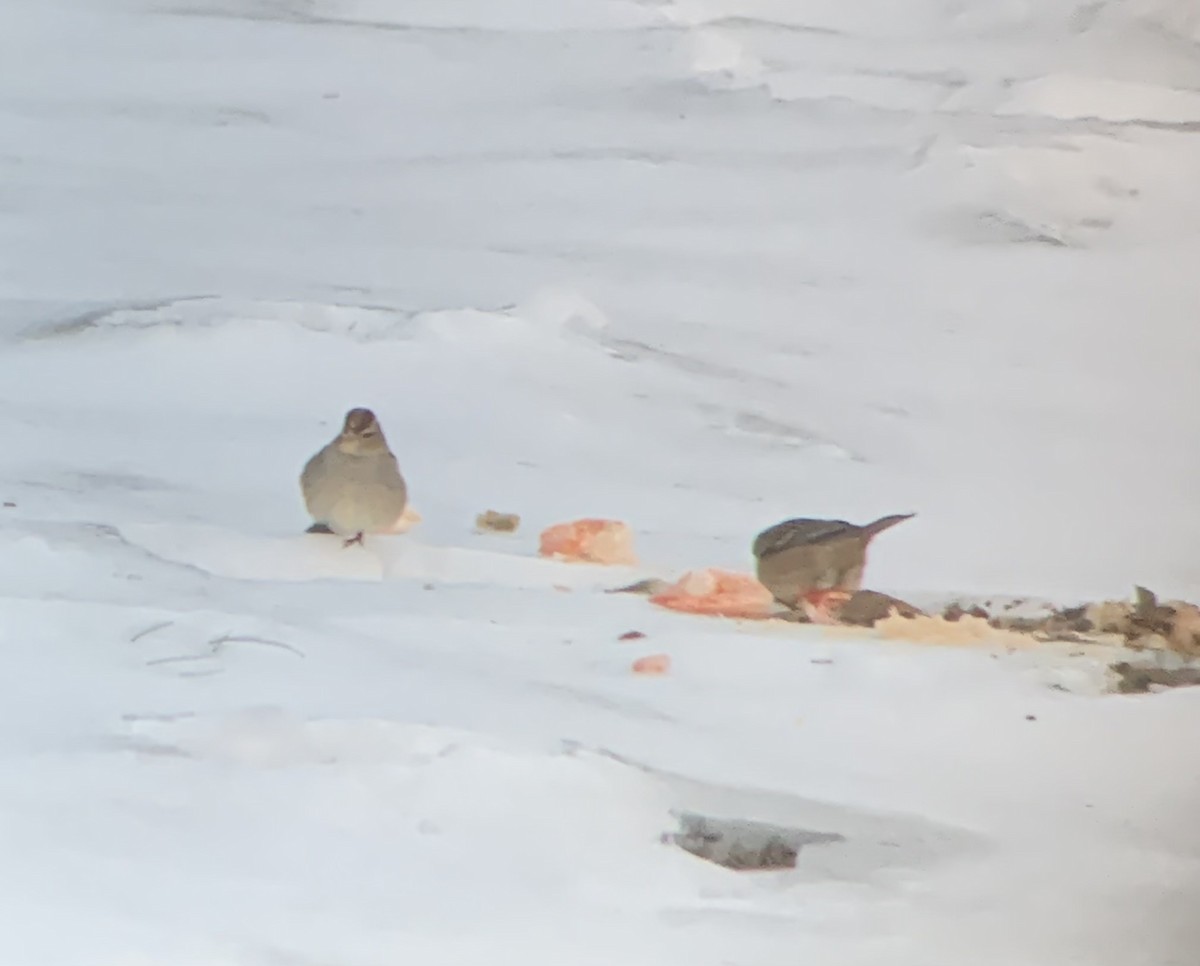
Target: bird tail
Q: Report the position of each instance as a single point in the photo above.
(883, 523)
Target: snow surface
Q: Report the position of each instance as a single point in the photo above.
(698, 265)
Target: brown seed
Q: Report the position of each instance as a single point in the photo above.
(497, 522)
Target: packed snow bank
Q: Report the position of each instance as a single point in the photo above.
(260, 835)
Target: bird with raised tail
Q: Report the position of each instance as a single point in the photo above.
(816, 565)
(353, 486)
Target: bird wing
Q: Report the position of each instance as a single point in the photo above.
(799, 532)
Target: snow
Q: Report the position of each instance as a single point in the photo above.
(696, 265)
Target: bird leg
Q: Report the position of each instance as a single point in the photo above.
(823, 606)
(357, 538)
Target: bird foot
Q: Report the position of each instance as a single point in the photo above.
(357, 538)
(824, 606)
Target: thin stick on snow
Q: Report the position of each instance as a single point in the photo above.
(150, 630)
(216, 643)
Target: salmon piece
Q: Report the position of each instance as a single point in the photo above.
(589, 541)
(652, 664)
(719, 593)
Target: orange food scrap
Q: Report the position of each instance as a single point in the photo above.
(717, 592)
(589, 541)
(652, 664)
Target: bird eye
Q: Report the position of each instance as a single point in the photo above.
(370, 432)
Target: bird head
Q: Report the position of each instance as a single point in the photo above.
(361, 433)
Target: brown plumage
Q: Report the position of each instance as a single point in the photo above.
(353, 485)
(811, 564)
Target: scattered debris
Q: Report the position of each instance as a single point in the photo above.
(717, 592)
(652, 664)
(1144, 624)
(955, 612)
(938, 630)
(631, 636)
(495, 522)
(1058, 625)
(1108, 616)
(745, 846)
(589, 541)
(1176, 621)
(867, 607)
(1141, 679)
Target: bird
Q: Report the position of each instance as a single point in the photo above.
(816, 565)
(353, 486)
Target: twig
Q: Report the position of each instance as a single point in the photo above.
(150, 630)
(177, 658)
(216, 643)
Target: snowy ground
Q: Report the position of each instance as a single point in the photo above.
(700, 265)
